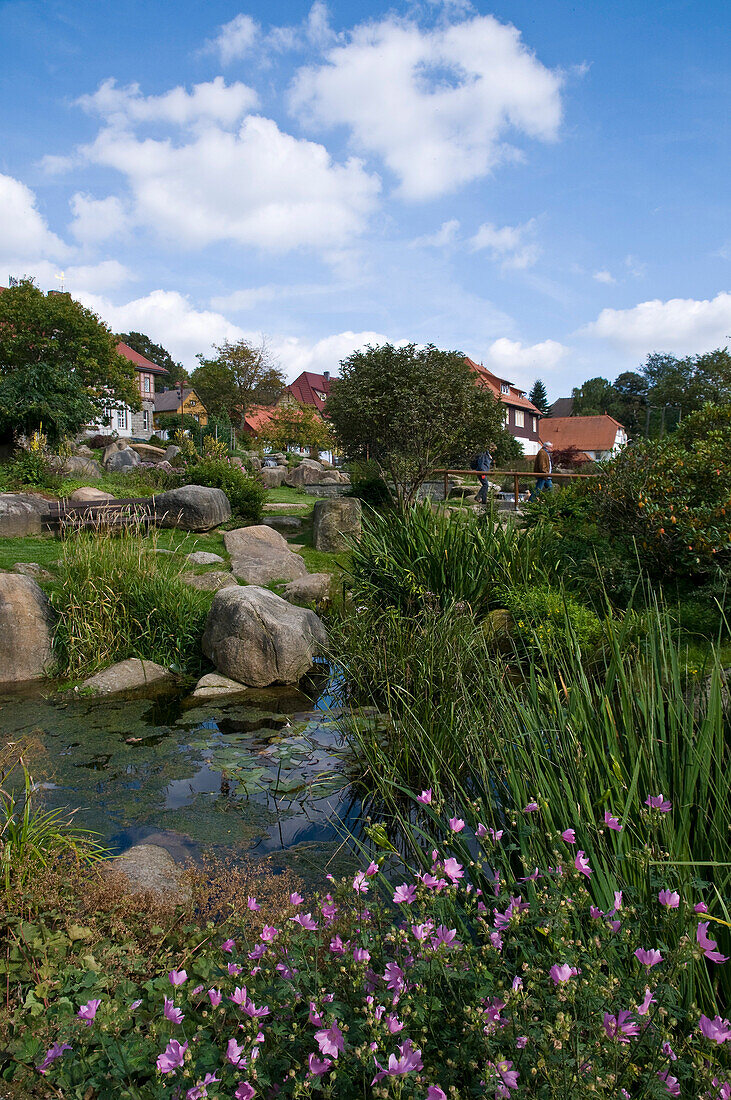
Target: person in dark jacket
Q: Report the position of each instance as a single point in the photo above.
(544, 466)
(484, 461)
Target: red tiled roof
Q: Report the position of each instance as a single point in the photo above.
(515, 397)
(139, 360)
(257, 417)
(584, 433)
(307, 389)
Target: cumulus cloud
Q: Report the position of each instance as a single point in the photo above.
(296, 354)
(682, 326)
(213, 102)
(25, 234)
(444, 236)
(522, 362)
(235, 39)
(96, 219)
(436, 105)
(511, 244)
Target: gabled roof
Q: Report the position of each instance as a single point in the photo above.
(514, 398)
(307, 389)
(562, 406)
(168, 401)
(258, 416)
(584, 433)
(138, 360)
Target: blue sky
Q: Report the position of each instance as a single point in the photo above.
(542, 185)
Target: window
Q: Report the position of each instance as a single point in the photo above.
(535, 423)
(197, 419)
(506, 417)
(145, 421)
(505, 387)
(519, 418)
(192, 402)
(147, 383)
(122, 419)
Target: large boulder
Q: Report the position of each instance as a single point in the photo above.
(129, 675)
(122, 460)
(287, 525)
(76, 466)
(260, 555)
(26, 623)
(309, 472)
(32, 569)
(22, 514)
(308, 590)
(336, 523)
(149, 868)
(259, 639)
(115, 445)
(273, 476)
(213, 686)
(88, 495)
(203, 557)
(148, 453)
(171, 454)
(209, 582)
(192, 508)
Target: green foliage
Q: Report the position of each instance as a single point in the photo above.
(538, 395)
(30, 469)
(547, 619)
(411, 410)
(366, 483)
(159, 355)
(174, 422)
(238, 376)
(117, 598)
(296, 426)
(246, 494)
(58, 364)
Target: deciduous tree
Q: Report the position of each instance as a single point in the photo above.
(297, 426)
(239, 376)
(158, 355)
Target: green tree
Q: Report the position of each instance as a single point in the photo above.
(690, 383)
(595, 397)
(239, 376)
(631, 401)
(59, 365)
(158, 355)
(538, 396)
(297, 425)
(173, 422)
(411, 410)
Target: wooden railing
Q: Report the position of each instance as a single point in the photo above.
(515, 474)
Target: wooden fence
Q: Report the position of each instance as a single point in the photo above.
(515, 474)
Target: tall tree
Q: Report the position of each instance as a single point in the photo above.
(538, 396)
(594, 397)
(158, 355)
(59, 366)
(688, 384)
(297, 426)
(239, 376)
(411, 410)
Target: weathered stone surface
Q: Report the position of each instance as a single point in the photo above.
(203, 557)
(148, 453)
(309, 472)
(122, 460)
(273, 476)
(260, 555)
(335, 523)
(115, 445)
(76, 466)
(32, 569)
(126, 675)
(171, 453)
(257, 638)
(214, 686)
(21, 514)
(26, 622)
(307, 590)
(150, 868)
(87, 494)
(192, 508)
(84, 451)
(285, 524)
(209, 582)
(279, 457)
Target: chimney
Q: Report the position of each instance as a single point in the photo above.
(326, 375)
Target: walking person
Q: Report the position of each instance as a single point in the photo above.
(484, 461)
(543, 466)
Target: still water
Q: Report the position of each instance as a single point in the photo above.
(264, 775)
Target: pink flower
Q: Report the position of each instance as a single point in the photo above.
(409, 1060)
(659, 802)
(508, 1078)
(252, 904)
(88, 1011)
(372, 869)
(54, 1052)
(215, 997)
(671, 1083)
(612, 822)
(581, 863)
(716, 1029)
(228, 946)
(394, 977)
(669, 898)
(435, 1093)
(531, 808)
(620, 1027)
(359, 883)
(177, 977)
(453, 869)
(701, 907)
(200, 1089)
(305, 922)
(361, 955)
(456, 824)
(317, 1067)
(521, 1042)
(393, 1024)
(244, 1091)
(708, 946)
(405, 894)
(198, 989)
(562, 973)
(330, 1041)
(268, 933)
(517, 984)
(495, 836)
(569, 836)
(644, 1007)
(422, 931)
(595, 913)
(235, 1053)
(480, 831)
(171, 1013)
(337, 946)
(425, 797)
(444, 936)
(648, 958)
(295, 898)
(172, 1057)
(234, 970)
(239, 996)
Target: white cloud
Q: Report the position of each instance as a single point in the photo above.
(444, 236)
(213, 102)
(25, 233)
(235, 39)
(435, 104)
(248, 298)
(510, 243)
(682, 326)
(257, 186)
(96, 278)
(296, 354)
(96, 219)
(604, 277)
(522, 362)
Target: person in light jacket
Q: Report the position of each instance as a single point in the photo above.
(544, 466)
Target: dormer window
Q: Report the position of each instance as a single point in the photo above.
(504, 387)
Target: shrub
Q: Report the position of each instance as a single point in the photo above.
(246, 494)
(546, 619)
(366, 483)
(31, 469)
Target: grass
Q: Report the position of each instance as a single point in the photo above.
(287, 495)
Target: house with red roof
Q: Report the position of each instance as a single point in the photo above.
(124, 422)
(521, 417)
(597, 437)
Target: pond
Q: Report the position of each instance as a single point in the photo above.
(266, 774)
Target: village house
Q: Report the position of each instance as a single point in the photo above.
(124, 422)
(170, 401)
(596, 437)
(520, 416)
(307, 389)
